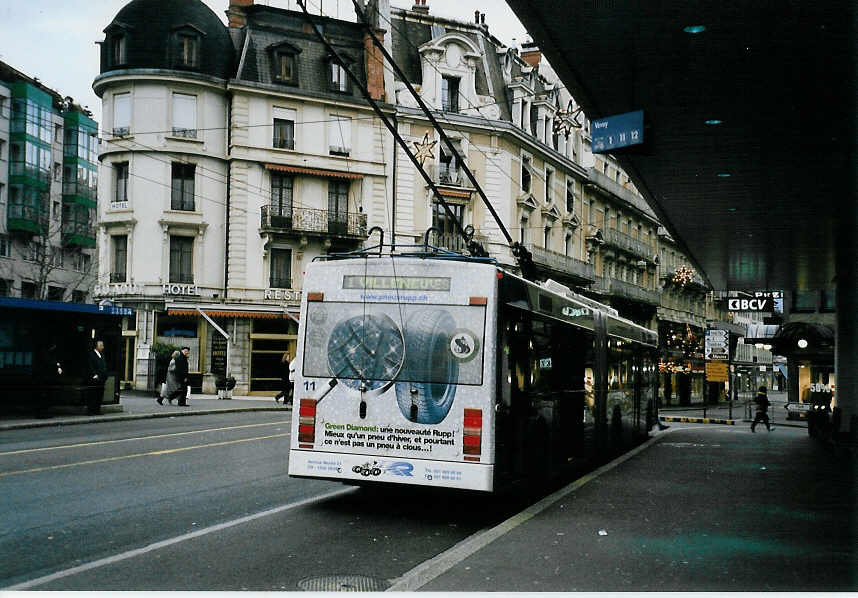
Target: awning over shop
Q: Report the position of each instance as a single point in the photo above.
(320, 172)
(229, 312)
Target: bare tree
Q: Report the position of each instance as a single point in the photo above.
(44, 260)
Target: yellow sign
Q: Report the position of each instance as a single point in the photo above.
(716, 371)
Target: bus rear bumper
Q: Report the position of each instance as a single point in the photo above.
(369, 468)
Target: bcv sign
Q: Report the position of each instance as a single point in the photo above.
(757, 304)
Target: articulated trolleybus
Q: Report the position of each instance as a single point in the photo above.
(448, 371)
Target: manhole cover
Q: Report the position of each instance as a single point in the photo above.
(342, 583)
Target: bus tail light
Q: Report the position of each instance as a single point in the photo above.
(307, 423)
(472, 436)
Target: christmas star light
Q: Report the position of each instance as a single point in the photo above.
(423, 150)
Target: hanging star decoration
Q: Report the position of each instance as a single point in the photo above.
(683, 275)
(568, 119)
(423, 149)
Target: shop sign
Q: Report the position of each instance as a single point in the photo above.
(118, 288)
(288, 295)
(758, 304)
(218, 360)
(716, 371)
(184, 290)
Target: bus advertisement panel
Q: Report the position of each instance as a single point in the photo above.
(395, 375)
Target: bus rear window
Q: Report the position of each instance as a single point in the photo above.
(380, 342)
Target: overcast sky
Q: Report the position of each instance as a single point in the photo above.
(54, 40)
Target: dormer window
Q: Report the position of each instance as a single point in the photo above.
(187, 47)
(338, 78)
(117, 49)
(284, 63)
(450, 94)
(189, 50)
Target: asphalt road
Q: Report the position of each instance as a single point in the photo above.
(204, 503)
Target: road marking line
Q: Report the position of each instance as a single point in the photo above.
(171, 541)
(135, 455)
(425, 572)
(64, 446)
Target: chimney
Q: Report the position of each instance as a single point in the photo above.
(531, 54)
(477, 17)
(420, 6)
(235, 13)
(374, 64)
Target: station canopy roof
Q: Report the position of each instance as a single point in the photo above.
(750, 111)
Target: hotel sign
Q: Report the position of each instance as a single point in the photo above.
(183, 290)
(118, 288)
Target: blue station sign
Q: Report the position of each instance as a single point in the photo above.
(620, 130)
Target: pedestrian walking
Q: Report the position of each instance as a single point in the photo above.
(97, 378)
(762, 401)
(291, 380)
(285, 385)
(171, 384)
(182, 376)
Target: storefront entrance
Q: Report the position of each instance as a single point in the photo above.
(269, 339)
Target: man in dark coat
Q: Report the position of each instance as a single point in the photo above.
(182, 376)
(763, 403)
(97, 377)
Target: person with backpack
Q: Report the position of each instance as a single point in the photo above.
(762, 401)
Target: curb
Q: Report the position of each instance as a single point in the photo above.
(75, 422)
(697, 420)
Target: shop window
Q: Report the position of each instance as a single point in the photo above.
(28, 290)
(828, 300)
(804, 301)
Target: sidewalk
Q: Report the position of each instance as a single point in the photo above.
(721, 413)
(695, 509)
(142, 405)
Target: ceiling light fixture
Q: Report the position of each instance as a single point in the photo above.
(694, 29)
(723, 175)
(802, 343)
(713, 121)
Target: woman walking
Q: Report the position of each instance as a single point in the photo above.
(285, 384)
(171, 386)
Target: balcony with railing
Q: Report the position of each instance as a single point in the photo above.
(78, 232)
(563, 265)
(29, 174)
(26, 218)
(626, 290)
(627, 243)
(451, 176)
(449, 241)
(74, 189)
(313, 222)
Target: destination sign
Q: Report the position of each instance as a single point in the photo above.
(620, 130)
(400, 283)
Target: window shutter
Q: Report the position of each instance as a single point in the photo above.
(340, 134)
(121, 114)
(184, 114)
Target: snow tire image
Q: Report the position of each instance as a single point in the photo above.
(431, 365)
(365, 350)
